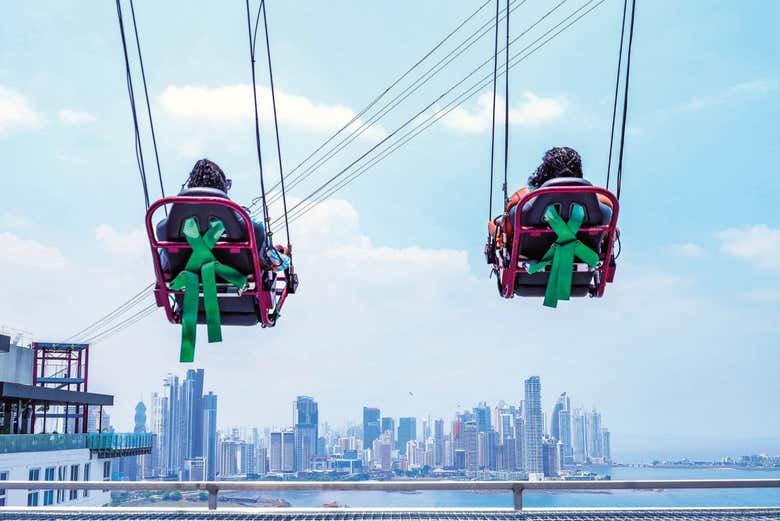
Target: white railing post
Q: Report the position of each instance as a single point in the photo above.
(213, 491)
(517, 496)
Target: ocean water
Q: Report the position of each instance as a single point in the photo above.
(457, 499)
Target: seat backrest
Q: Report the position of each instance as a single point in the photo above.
(596, 213)
(236, 229)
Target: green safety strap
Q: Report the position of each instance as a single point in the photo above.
(202, 267)
(562, 253)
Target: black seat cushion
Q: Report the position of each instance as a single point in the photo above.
(170, 229)
(234, 310)
(596, 213)
(534, 248)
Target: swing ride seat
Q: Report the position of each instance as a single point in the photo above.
(533, 238)
(265, 293)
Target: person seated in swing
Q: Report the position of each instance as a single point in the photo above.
(557, 162)
(206, 174)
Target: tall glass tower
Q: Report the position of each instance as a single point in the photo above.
(371, 426)
(305, 416)
(532, 431)
(210, 436)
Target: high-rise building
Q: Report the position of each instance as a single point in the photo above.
(606, 450)
(532, 414)
(209, 404)
(438, 443)
(579, 437)
(407, 431)
(593, 435)
(551, 455)
(192, 413)
(229, 451)
(519, 440)
(173, 431)
(471, 445)
(382, 450)
(306, 417)
(371, 426)
(560, 427)
(282, 451)
(488, 446)
(388, 425)
(482, 415)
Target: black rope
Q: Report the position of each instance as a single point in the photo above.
(266, 218)
(276, 128)
(493, 125)
(139, 154)
(506, 109)
(617, 91)
(625, 100)
(148, 106)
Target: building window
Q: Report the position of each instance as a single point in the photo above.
(106, 471)
(32, 499)
(48, 495)
(85, 493)
(74, 476)
(3, 477)
(34, 475)
(62, 475)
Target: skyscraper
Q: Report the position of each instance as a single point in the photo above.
(192, 413)
(209, 404)
(593, 435)
(407, 431)
(438, 442)
(532, 446)
(560, 427)
(388, 425)
(370, 426)
(305, 415)
(578, 441)
(606, 450)
(471, 445)
(173, 431)
(482, 414)
(140, 418)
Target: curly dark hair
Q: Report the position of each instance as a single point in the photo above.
(557, 162)
(207, 174)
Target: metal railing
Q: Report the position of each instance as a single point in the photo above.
(119, 441)
(515, 487)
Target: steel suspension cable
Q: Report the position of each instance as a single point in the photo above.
(276, 128)
(443, 95)
(617, 91)
(625, 100)
(506, 110)
(148, 106)
(299, 209)
(131, 95)
(400, 97)
(118, 311)
(387, 89)
(493, 120)
(266, 218)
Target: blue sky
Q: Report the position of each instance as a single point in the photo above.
(681, 356)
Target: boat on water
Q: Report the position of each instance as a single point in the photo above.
(334, 504)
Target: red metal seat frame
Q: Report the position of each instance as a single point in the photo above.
(508, 272)
(269, 301)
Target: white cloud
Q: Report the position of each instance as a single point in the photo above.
(132, 243)
(233, 103)
(754, 88)
(758, 244)
(16, 252)
(75, 117)
(533, 110)
(16, 112)
(689, 249)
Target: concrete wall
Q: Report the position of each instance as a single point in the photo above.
(16, 365)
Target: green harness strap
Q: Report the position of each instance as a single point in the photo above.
(561, 254)
(202, 266)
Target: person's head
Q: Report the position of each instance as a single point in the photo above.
(207, 174)
(557, 162)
